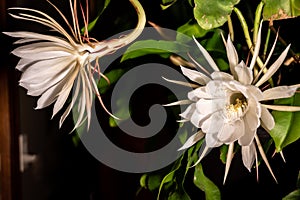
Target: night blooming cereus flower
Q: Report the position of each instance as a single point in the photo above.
(53, 65)
(230, 107)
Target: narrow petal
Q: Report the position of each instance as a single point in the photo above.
(228, 160)
(187, 84)
(192, 140)
(279, 92)
(274, 67)
(244, 73)
(195, 76)
(232, 57)
(282, 108)
(257, 47)
(267, 119)
(249, 155)
(181, 102)
(206, 55)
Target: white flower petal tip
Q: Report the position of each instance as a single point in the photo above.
(53, 65)
(228, 161)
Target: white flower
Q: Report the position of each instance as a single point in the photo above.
(53, 64)
(230, 107)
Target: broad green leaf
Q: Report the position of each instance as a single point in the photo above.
(160, 47)
(213, 13)
(191, 28)
(287, 124)
(207, 186)
(281, 9)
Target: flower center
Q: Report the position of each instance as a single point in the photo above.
(236, 108)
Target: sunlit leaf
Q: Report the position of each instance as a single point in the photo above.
(287, 124)
(207, 186)
(150, 181)
(281, 9)
(212, 14)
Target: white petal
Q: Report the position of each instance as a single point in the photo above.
(232, 56)
(249, 155)
(199, 93)
(213, 124)
(244, 73)
(206, 55)
(221, 76)
(192, 140)
(252, 116)
(248, 137)
(195, 76)
(274, 67)
(216, 88)
(197, 118)
(181, 102)
(211, 140)
(267, 119)
(230, 132)
(187, 114)
(279, 92)
(208, 106)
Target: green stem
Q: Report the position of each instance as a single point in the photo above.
(248, 40)
(257, 20)
(230, 28)
(266, 43)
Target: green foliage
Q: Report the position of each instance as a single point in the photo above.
(191, 28)
(212, 14)
(287, 124)
(281, 9)
(92, 24)
(160, 47)
(295, 195)
(202, 182)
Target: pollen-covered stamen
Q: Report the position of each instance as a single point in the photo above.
(237, 105)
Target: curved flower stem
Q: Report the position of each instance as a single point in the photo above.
(248, 40)
(257, 20)
(115, 44)
(230, 28)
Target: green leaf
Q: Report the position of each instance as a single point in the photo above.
(150, 181)
(92, 24)
(161, 47)
(191, 28)
(223, 153)
(287, 124)
(295, 195)
(207, 186)
(281, 9)
(167, 3)
(179, 195)
(113, 76)
(213, 13)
